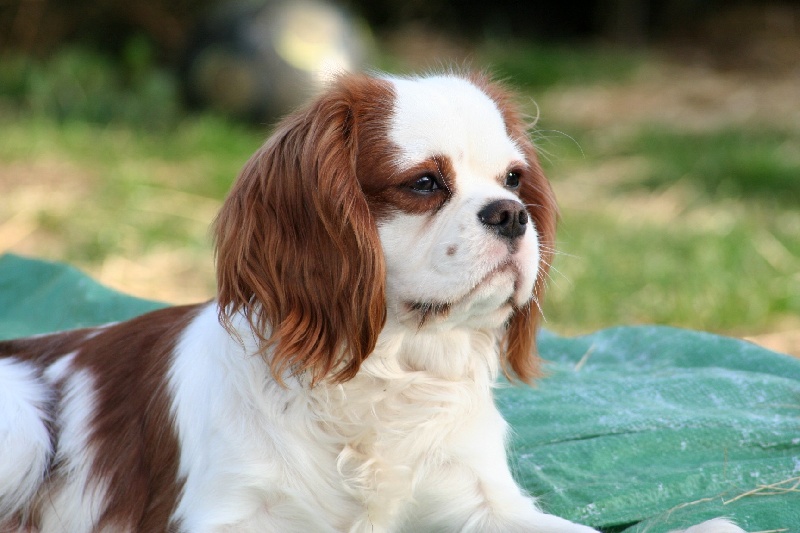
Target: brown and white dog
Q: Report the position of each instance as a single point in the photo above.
(380, 261)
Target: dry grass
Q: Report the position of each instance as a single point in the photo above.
(41, 197)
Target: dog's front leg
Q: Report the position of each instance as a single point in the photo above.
(472, 489)
(459, 499)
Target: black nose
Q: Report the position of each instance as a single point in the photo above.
(507, 217)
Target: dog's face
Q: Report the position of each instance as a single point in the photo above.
(460, 248)
(418, 201)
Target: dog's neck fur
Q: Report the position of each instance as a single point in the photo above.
(405, 410)
(413, 399)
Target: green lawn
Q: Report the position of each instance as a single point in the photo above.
(700, 230)
(661, 222)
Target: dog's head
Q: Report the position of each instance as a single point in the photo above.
(417, 200)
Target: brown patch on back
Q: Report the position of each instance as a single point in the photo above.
(136, 445)
(136, 450)
(44, 350)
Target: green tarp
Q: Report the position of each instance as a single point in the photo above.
(658, 428)
(635, 429)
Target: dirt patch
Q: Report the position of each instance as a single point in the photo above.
(33, 190)
(175, 276)
(41, 199)
(787, 342)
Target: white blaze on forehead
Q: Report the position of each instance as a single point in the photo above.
(447, 115)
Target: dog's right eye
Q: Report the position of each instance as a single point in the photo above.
(426, 183)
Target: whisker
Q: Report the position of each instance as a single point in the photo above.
(535, 300)
(537, 136)
(532, 120)
(558, 252)
(539, 206)
(441, 176)
(557, 271)
(541, 272)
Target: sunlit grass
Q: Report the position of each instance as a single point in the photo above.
(698, 230)
(749, 164)
(728, 276)
(111, 190)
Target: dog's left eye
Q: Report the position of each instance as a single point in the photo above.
(426, 183)
(512, 179)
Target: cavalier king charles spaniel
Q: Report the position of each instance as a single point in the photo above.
(380, 261)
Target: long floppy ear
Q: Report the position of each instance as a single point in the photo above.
(297, 250)
(520, 339)
(519, 344)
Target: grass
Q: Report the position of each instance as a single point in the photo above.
(698, 230)
(733, 163)
(660, 224)
(536, 67)
(125, 170)
(86, 86)
(725, 279)
(129, 203)
(686, 228)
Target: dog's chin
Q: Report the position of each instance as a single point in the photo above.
(486, 305)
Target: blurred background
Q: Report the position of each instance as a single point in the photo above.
(670, 130)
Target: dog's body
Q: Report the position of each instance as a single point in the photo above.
(380, 262)
(215, 444)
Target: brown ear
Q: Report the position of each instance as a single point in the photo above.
(520, 339)
(298, 252)
(519, 345)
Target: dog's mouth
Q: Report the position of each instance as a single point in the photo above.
(425, 311)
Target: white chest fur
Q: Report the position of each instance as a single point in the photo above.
(370, 448)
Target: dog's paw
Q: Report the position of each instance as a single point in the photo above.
(717, 525)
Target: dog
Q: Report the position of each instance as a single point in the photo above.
(381, 260)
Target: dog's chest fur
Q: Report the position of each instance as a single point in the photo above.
(362, 448)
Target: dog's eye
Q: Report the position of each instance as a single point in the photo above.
(426, 183)
(512, 179)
